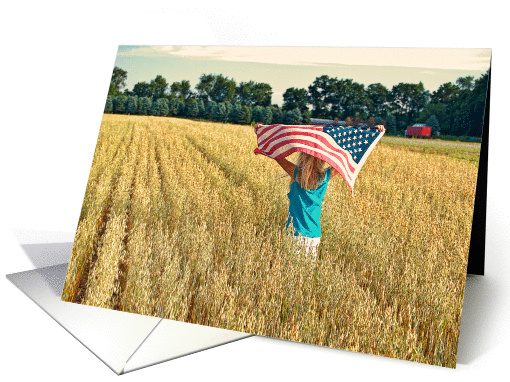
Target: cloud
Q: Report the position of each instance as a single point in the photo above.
(433, 58)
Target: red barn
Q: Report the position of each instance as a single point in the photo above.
(418, 130)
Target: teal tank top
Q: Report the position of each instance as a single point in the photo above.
(305, 207)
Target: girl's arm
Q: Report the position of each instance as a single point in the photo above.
(284, 163)
(287, 166)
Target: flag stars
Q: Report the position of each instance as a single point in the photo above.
(351, 140)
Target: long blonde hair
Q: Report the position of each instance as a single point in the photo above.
(311, 171)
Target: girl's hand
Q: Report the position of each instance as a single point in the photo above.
(381, 128)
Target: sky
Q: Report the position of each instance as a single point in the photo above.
(285, 67)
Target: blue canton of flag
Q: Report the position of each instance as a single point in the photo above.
(356, 141)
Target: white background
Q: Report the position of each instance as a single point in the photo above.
(56, 62)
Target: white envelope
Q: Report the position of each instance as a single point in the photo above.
(123, 341)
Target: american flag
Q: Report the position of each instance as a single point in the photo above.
(345, 148)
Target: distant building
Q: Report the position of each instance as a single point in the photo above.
(419, 130)
(319, 121)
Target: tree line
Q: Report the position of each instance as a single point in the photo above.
(453, 109)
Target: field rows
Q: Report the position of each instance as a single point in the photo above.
(181, 220)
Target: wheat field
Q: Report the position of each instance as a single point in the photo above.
(181, 220)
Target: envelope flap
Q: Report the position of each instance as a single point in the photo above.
(113, 336)
(173, 339)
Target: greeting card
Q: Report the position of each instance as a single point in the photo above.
(319, 195)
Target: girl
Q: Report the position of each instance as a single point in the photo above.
(309, 180)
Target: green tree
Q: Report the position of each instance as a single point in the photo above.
(219, 113)
(465, 83)
(204, 87)
(144, 106)
(306, 115)
(469, 108)
(235, 113)
(162, 107)
(321, 93)
(295, 98)
(259, 114)
(244, 93)
(119, 104)
(348, 99)
(131, 105)
(277, 114)
(173, 107)
(215, 88)
(439, 110)
(434, 123)
(192, 109)
(254, 94)
(408, 101)
(181, 90)
(377, 96)
(158, 87)
(108, 108)
(446, 93)
(181, 109)
(224, 89)
(391, 124)
(261, 94)
(155, 108)
(244, 115)
(268, 115)
(228, 108)
(477, 103)
(209, 110)
(443, 103)
(117, 82)
(201, 109)
(293, 117)
(142, 89)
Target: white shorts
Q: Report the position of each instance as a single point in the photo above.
(310, 244)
